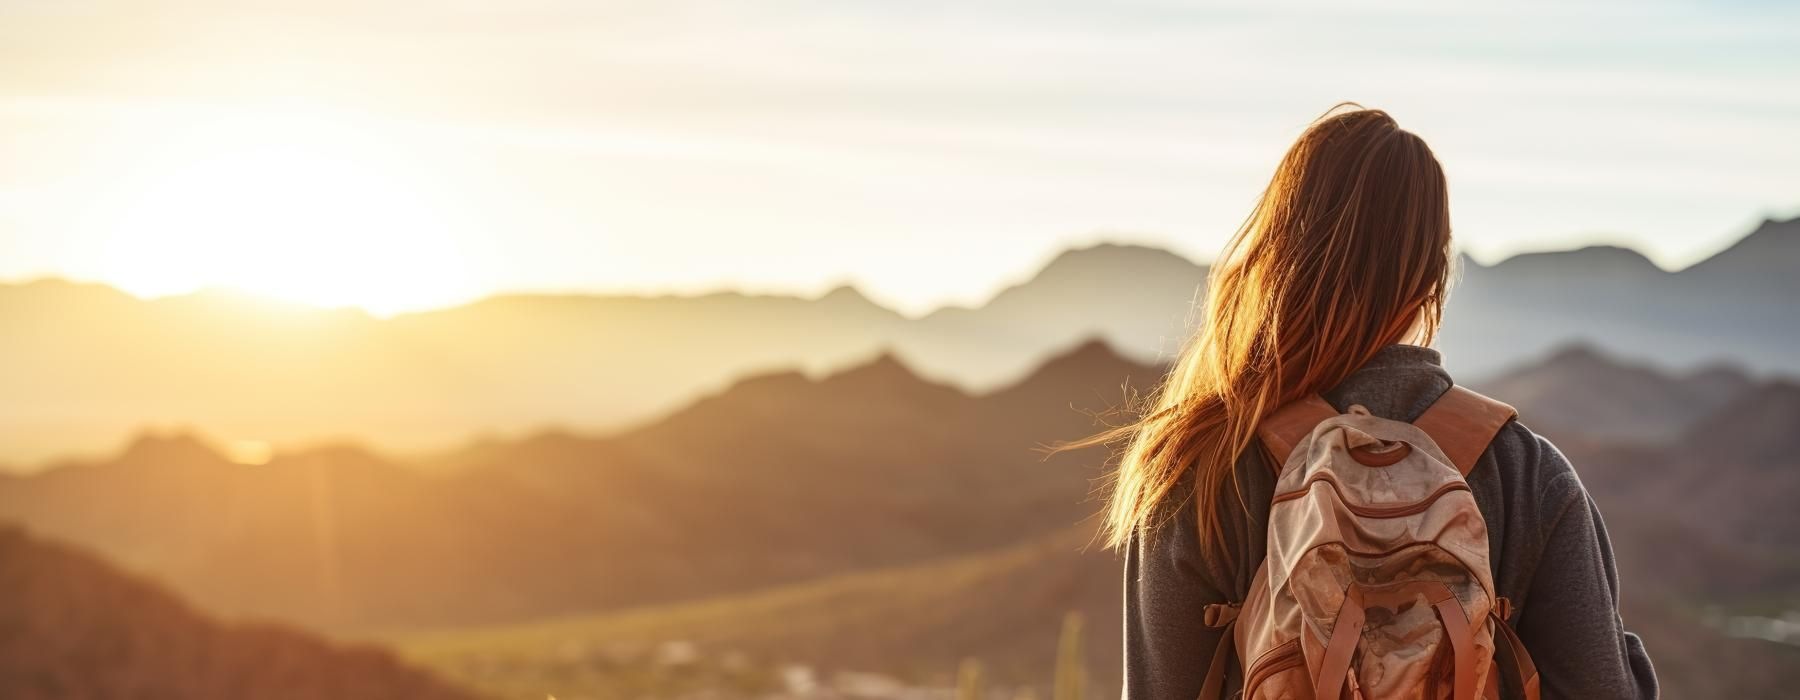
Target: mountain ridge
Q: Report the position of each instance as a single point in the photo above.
(785, 481)
(1769, 229)
(91, 370)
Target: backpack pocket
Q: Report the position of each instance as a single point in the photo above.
(1279, 673)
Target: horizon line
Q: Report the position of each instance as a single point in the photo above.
(776, 292)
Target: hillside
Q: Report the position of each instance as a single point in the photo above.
(871, 495)
(72, 627)
(1727, 486)
(1580, 391)
(915, 624)
(1680, 538)
(782, 478)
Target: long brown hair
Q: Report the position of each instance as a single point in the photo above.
(1347, 251)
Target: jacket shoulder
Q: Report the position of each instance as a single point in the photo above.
(1527, 464)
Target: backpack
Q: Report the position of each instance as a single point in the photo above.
(1377, 581)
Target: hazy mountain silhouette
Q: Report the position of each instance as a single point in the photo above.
(1734, 306)
(784, 480)
(1758, 267)
(1759, 426)
(1138, 298)
(1580, 392)
(1694, 523)
(729, 491)
(86, 363)
(1729, 482)
(781, 478)
(76, 628)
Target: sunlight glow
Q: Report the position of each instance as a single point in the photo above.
(299, 204)
(249, 452)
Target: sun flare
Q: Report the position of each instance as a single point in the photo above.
(302, 205)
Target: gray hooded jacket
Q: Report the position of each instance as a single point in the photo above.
(1550, 551)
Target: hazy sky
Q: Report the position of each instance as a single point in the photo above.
(407, 154)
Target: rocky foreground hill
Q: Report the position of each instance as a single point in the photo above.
(75, 628)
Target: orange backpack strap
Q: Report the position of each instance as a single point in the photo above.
(1462, 423)
(1510, 652)
(1287, 426)
(1223, 617)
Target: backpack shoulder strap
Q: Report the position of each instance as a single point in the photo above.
(1462, 423)
(1290, 424)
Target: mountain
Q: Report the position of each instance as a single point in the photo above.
(1695, 526)
(913, 509)
(77, 628)
(1693, 470)
(1733, 474)
(1734, 306)
(727, 494)
(1138, 298)
(514, 363)
(85, 363)
(1759, 426)
(1760, 264)
(1580, 391)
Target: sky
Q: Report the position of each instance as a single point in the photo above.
(408, 154)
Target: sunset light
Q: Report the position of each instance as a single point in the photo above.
(877, 350)
(302, 205)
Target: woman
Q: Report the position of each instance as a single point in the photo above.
(1336, 285)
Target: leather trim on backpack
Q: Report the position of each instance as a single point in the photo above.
(1463, 423)
(1287, 426)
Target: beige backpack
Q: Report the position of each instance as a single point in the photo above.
(1376, 583)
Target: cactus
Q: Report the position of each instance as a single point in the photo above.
(1070, 675)
(968, 680)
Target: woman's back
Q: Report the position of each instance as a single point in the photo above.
(1335, 285)
(1549, 550)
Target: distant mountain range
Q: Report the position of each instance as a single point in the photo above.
(1582, 393)
(782, 478)
(871, 491)
(74, 627)
(1736, 306)
(85, 364)
(1695, 524)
